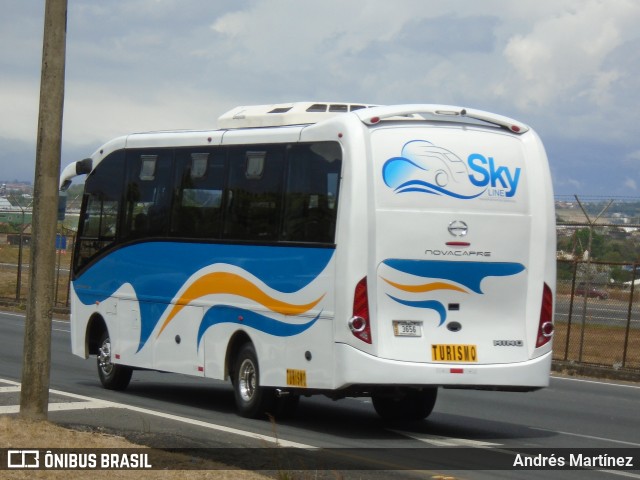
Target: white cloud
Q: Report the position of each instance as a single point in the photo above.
(19, 109)
(119, 114)
(564, 56)
(631, 184)
(633, 157)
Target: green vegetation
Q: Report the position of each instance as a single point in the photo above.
(607, 246)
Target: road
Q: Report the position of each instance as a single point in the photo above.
(570, 414)
(600, 312)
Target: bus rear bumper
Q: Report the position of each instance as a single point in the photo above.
(355, 367)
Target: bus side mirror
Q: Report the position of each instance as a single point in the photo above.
(62, 205)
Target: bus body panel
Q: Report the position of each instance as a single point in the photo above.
(452, 237)
(477, 304)
(193, 294)
(367, 369)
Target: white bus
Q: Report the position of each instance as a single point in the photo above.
(315, 248)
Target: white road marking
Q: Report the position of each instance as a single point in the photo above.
(90, 402)
(9, 389)
(440, 441)
(590, 437)
(597, 382)
(58, 407)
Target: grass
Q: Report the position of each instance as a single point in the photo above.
(603, 345)
(16, 433)
(9, 255)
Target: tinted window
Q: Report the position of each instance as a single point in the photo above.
(147, 193)
(254, 192)
(99, 224)
(312, 192)
(197, 206)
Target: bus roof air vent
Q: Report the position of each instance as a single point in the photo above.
(300, 113)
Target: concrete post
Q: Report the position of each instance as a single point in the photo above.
(36, 366)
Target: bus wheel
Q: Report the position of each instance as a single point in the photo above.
(112, 376)
(409, 404)
(252, 400)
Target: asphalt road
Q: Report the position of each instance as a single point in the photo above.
(600, 312)
(166, 410)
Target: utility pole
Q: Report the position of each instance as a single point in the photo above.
(36, 364)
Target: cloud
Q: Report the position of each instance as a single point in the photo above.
(565, 55)
(633, 157)
(19, 112)
(631, 184)
(568, 68)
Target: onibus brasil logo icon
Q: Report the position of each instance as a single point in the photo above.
(426, 168)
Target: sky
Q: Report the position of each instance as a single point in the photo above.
(570, 69)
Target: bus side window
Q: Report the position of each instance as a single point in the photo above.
(255, 193)
(147, 193)
(312, 192)
(98, 229)
(197, 205)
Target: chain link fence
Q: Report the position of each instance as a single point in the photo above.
(597, 313)
(15, 253)
(597, 320)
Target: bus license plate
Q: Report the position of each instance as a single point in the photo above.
(296, 378)
(454, 353)
(405, 328)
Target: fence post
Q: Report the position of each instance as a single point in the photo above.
(19, 269)
(19, 274)
(629, 313)
(59, 254)
(72, 247)
(573, 289)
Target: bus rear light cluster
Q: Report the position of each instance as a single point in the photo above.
(545, 326)
(359, 323)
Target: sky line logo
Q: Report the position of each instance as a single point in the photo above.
(493, 176)
(426, 168)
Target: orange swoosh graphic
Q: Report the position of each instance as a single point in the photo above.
(427, 287)
(231, 283)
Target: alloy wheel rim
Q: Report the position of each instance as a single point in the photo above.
(247, 380)
(104, 357)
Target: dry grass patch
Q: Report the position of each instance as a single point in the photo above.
(16, 433)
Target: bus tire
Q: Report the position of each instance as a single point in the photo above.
(252, 400)
(409, 404)
(112, 376)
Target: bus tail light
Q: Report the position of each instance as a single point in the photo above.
(359, 323)
(545, 327)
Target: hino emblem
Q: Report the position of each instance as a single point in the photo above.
(458, 228)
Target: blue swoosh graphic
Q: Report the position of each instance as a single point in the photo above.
(158, 270)
(395, 169)
(469, 274)
(226, 314)
(430, 304)
(426, 187)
